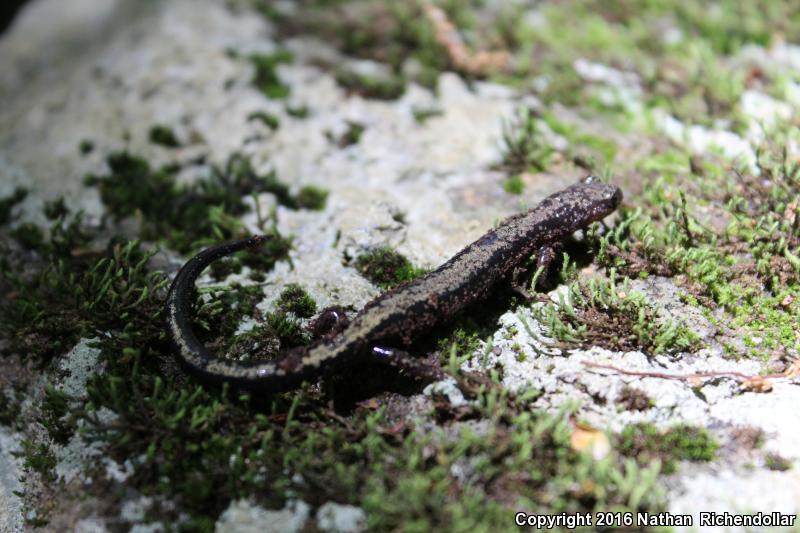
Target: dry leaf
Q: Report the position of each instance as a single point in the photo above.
(446, 34)
(757, 384)
(589, 440)
(695, 381)
(790, 214)
(794, 369)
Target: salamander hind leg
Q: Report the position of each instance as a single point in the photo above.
(402, 360)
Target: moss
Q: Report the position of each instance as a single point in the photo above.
(740, 263)
(399, 35)
(56, 209)
(524, 148)
(582, 145)
(275, 249)
(85, 147)
(7, 204)
(266, 77)
(28, 235)
(297, 111)
(775, 462)
(463, 340)
(632, 399)
(294, 299)
(69, 295)
(132, 186)
(381, 88)
(288, 330)
(39, 458)
(351, 136)
(10, 406)
(514, 184)
(185, 216)
(220, 311)
(55, 415)
(267, 119)
(386, 268)
(38, 465)
(421, 116)
(260, 260)
(604, 314)
(645, 443)
(164, 136)
(311, 197)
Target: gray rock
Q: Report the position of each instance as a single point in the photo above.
(242, 516)
(335, 517)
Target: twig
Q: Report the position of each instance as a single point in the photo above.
(663, 375)
(446, 34)
(752, 382)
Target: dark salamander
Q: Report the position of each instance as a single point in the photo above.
(398, 316)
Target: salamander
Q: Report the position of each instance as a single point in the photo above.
(397, 317)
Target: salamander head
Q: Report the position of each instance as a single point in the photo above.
(598, 198)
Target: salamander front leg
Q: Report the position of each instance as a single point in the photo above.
(519, 276)
(406, 362)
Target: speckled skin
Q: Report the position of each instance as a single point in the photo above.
(397, 316)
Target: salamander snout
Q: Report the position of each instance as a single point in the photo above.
(600, 199)
(615, 196)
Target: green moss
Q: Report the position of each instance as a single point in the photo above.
(423, 115)
(266, 77)
(776, 462)
(85, 147)
(394, 33)
(185, 216)
(381, 88)
(386, 268)
(288, 330)
(294, 299)
(132, 186)
(463, 340)
(603, 313)
(220, 311)
(10, 405)
(581, 144)
(39, 458)
(69, 295)
(741, 263)
(632, 399)
(28, 235)
(311, 197)
(7, 204)
(524, 148)
(55, 415)
(56, 209)
(645, 443)
(164, 136)
(38, 461)
(351, 136)
(514, 184)
(297, 111)
(267, 119)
